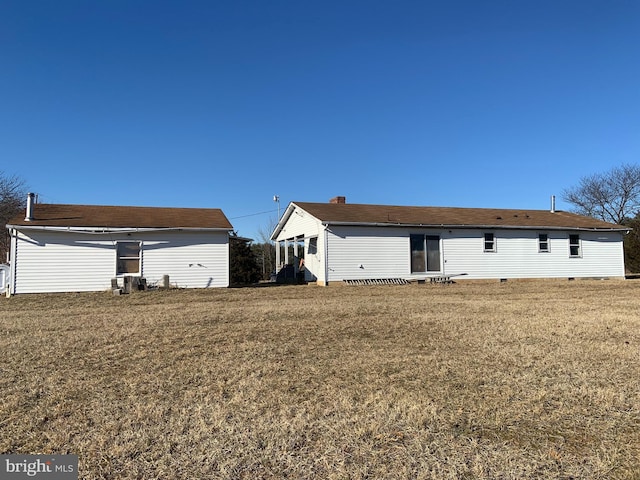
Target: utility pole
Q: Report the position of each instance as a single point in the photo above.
(276, 198)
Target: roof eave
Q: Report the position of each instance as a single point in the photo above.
(485, 226)
(282, 221)
(99, 230)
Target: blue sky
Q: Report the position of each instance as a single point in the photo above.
(225, 104)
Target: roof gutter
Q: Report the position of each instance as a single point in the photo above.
(458, 226)
(103, 230)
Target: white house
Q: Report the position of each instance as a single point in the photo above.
(342, 242)
(73, 248)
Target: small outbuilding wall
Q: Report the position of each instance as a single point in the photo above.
(83, 248)
(49, 261)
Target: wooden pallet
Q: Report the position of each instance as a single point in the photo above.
(377, 281)
(441, 280)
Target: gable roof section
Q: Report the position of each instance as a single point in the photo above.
(115, 217)
(390, 215)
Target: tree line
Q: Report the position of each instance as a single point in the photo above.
(612, 196)
(13, 199)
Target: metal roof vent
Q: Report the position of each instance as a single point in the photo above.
(30, 202)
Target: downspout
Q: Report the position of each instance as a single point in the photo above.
(13, 249)
(228, 260)
(444, 260)
(326, 256)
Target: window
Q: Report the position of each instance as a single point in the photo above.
(418, 261)
(489, 242)
(425, 253)
(433, 253)
(313, 246)
(128, 258)
(543, 242)
(574, 246)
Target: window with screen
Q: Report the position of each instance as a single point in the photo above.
(574, 246)
(128, 258)
(489, 242)
(543, 242)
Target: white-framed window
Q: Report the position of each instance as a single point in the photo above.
(574, 245)
(128, 258)
(489, 242)
(313, 246)
(543, 242)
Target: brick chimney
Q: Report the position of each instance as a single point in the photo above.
(338, 200)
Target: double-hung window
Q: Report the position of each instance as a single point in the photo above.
(543, 242)
(489, 242)
(574, 246)
(128, 258)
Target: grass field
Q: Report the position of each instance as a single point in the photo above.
(472, 380)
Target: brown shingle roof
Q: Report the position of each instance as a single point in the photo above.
(54, 215)
(351, 213)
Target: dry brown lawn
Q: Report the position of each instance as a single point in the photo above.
(472, 380)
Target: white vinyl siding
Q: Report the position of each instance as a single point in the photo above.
(301, 223)
(60, 262)
(370, 252)
(71, 262)
(517, 257)
(312, 259)
(192, 260)
(384, 252)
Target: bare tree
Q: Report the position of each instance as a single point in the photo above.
(13, 193)
(265, 250)
(613, 196)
